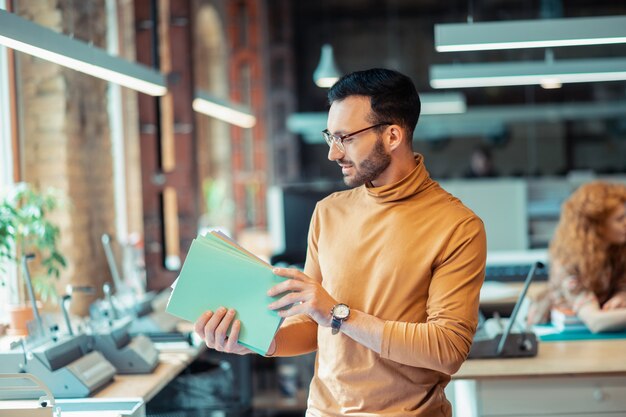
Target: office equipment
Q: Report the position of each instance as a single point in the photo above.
(501, 204)
(33, 404)
(514, 265)
(290, 209)
(122, 407)
(62, 363)
(217, 272)
(495, 339)
(67, 364)
(20, 396)
(129, 355)
(140, 306)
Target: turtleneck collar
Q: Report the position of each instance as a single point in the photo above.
(408, 186)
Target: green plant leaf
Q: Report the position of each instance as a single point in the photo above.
(25, 227)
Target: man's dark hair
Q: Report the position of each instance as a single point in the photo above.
(393, 96)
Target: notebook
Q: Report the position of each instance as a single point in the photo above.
(218, 272)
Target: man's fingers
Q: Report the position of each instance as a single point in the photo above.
(222, 329)
(291, 273)
(211, 326)
(201, 322)
(293, 310)
(286, 300)
(231, 344)
(288, 285)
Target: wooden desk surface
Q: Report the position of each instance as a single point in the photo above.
(146, 386)
(575, 358)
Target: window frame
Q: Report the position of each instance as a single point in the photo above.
(9, 162)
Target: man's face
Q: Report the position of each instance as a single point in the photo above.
(365, 157)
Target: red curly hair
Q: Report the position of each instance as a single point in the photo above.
(578, 242)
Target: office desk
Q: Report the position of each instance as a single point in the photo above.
(146, 386)
(579, 378)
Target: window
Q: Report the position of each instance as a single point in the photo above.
(8, 277)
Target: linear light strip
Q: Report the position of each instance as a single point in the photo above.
(479, 120)
(541, 33)
(442, 103)
(220, 109)
(25, 36)
(527, 73)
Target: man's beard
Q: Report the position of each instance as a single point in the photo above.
(371, 167)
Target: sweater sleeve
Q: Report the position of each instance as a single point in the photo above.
(443, 342)
(298, 335)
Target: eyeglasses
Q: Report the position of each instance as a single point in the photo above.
(338, 140)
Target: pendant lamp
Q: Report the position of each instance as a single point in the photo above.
(326, 74)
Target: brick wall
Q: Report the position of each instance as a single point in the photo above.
(132, 154)
(65, 139)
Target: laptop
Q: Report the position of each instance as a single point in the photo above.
(495, 337)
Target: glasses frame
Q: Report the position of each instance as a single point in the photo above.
(338, 140)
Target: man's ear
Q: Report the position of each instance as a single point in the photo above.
(396, 137)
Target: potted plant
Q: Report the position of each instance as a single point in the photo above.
(25, 227)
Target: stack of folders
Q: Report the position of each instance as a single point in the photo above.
(565, 320)
(218, 272)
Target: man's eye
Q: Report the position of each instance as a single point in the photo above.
(348, 140)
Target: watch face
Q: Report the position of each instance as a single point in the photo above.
(341, 311)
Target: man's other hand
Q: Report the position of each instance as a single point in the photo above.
(304, 294)
(212, 327)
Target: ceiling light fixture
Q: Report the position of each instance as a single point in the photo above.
(542, 33)
(221, 109)
(551, 83)
(480, 120)
(28, 37)
(527, 73)
(442, 103)
(326, 74)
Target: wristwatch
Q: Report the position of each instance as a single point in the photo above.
(339, 313)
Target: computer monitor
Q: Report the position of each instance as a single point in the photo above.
(290, 208)
(501, 204)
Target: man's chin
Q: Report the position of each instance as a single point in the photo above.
(352, 181)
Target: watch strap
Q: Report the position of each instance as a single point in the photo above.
(336, 322)
(335, 325)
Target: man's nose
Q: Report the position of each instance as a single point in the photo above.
(334, 153)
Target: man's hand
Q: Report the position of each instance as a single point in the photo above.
(306, 295)
(212, 328)
(615, 302)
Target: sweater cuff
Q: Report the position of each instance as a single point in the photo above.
(385, 348)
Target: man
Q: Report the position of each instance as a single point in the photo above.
(389, 292)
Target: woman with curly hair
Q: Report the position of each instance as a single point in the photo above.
(588, 258)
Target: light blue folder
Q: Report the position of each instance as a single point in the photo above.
(216, 273)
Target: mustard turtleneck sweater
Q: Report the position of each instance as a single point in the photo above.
(412, 255)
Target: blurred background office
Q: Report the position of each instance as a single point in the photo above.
(229, 136)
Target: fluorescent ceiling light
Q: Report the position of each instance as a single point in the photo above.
(541, 33)
(25, 36)
(430, 127)
(442, 103)
(527, 73)
(221, 109)
(477, 121)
